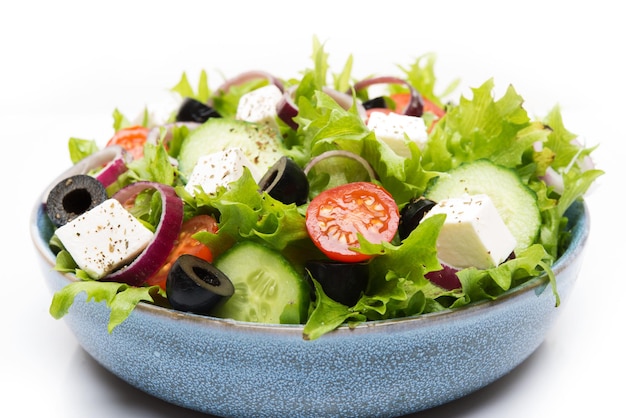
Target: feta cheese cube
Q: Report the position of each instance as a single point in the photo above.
(473, 234)
(104, 238)
(392, 127)
(259, 106)
(218, 170)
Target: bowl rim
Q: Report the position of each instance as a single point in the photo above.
(580, 233)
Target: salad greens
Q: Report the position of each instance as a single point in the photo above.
(477, 127)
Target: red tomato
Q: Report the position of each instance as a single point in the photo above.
(335, 216)
(131, 139)
(186, 244)
(401, 100)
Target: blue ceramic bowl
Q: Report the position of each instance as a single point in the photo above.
(387, 368)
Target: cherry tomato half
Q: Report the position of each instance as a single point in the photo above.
(335, 216)
(186, 244)
(132, 139)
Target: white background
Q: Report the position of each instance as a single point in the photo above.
(65, 65)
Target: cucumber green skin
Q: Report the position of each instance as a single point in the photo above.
(261, 144)
(515, 201)
(267, 287)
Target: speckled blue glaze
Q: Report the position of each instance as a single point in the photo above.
(387, 368)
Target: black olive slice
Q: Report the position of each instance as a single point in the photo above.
(74, 196)
(411, 215)
(192, 110)
(375, 103)
(342, 282)
(195, 285)
(286, 181)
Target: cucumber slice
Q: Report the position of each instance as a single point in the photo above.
(261, 144)
(267, 287)
(515, 201)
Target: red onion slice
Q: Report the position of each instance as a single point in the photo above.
(286, 109)
(345, 100)
(341, 153)
(415, 107)
(446, 277)
(115, 167)
(587, 163)
(249, 76)
(111, 160)
(554, 179)
(155, 254)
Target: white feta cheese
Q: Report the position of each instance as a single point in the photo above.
(218, 170)
(392, 127)
(259, 106)
(104, 238)
(473, 234)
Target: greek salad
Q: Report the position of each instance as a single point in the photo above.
(315, 202)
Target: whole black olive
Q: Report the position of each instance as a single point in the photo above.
(342, 282)
(375, 103)
(411, 215)
(286, 181)
(74, 196)
(192, 110)
(195, 285)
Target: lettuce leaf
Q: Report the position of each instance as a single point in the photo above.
(154, 166)
(119, 297)
(492, 283)
(184, 88)
(421, 75)
(483, 127)
(81, 148)
(328, 315)
(246, 214)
